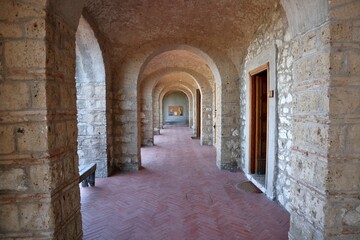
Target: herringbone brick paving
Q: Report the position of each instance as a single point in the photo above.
(179, 194)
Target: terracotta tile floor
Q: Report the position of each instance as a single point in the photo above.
(180, 194)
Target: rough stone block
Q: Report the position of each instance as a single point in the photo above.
(65, 96)
(354, 62)
(25, 54)
(353, 140)
(72, 130)
(343, 177)
(341, 31)
(38, 91)
(302, 198)
(300, 227)
(70, 167)
(32, 137)
(311, 101)
(11, 10)
(346, 11)
(53, 95)
(325, 36)
(9, 218)
(69, 202)
(36, 216)
(305, 167)
(35, 28)
(337, 61)
(344, 100)
(311, 136)
(10, 30)
(302, 70)
(356, 34)
(7, 139)
(337, 139)
(57, 174)
(309, 42)
(40, 177)
(13, 179)
(71, 231)
(61, 136)
(14, 96)
(321, 66)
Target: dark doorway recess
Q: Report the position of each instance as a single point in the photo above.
(259, 119)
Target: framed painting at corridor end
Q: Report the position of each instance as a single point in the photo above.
(175, 110)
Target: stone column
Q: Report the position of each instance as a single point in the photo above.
(325, 156)
(310, 134)
(38, 159)
(342, 211)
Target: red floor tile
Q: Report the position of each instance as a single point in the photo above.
(180, 194)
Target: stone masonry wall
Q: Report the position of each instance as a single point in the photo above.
(273, 33)
(39, 191)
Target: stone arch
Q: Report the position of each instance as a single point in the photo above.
(190, 93)
(91, 99)
(206, 114)
(226, 78)
(199, 81)
(172, 90)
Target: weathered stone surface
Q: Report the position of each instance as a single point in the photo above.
(32, 137)
(35, 216)
(14, 179)
(11, 101)
(10, 219)
(10, 30)
(39, 177)
(25, 54)
(35, 28)
(7, 139)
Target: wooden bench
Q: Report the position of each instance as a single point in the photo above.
(87, 174)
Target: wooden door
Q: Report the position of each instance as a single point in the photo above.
(198, 113)
(261, 124)
(258, 123)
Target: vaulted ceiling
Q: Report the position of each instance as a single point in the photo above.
(225, 25)
(220, 23)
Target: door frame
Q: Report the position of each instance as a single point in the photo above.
(267, 57)
(252, 124)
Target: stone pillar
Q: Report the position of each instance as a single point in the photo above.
(146, 115)
(310, 134)
(342, 210)
(206, 118)
(228, 124)
(325, 156)
(38, 134)
(126, 116)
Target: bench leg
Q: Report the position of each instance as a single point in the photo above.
(84, 183)
(91, 179)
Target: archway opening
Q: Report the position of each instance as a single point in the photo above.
(176, 109)
(91, 99)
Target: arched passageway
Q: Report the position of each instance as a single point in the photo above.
(312, 49)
